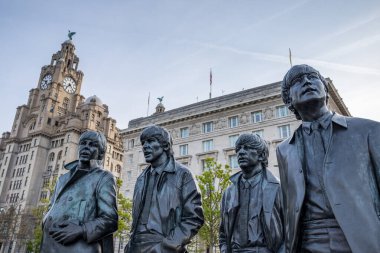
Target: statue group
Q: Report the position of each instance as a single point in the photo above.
(328, 199)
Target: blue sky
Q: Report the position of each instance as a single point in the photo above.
(167, 47)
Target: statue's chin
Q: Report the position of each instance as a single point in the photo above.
(90, 163)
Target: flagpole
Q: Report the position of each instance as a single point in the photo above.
(210, 82)
(147, 111)
(290, 58)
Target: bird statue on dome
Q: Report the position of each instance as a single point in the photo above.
(71, 34)
(160, 99)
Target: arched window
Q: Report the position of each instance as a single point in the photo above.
(59, 156)
(32, 125)
(51, 157)
(118, 168)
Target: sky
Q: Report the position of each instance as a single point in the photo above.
(132, 48)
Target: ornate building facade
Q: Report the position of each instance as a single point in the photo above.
(45, 135)
(210, 128)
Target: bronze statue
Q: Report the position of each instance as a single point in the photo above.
(251, 212)
(330, 172)
(160, 99)
(83, 212)
(70, 35)
(167, 210)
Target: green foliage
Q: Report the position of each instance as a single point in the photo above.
(212, 183)
(33, 245)
(124, 211)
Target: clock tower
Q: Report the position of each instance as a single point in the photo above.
(59, 85)
(45, 135)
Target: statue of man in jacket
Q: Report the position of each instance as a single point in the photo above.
(167, 210)
(83, 212)
(251, 212)
(330, 172)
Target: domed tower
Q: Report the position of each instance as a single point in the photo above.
(160, 108)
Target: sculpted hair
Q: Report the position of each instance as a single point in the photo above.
(293, 72)
(161, 134)
(257, 143)
(96, 136)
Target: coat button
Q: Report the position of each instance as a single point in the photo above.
(70, 198)
(301, 171)
(65, 217)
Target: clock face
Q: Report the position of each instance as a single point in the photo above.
(46, 81)
(69, 85)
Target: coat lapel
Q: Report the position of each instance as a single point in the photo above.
(138, 196)
(269, 190)
(73, 176)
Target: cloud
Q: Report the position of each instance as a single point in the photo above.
(285, 60)
(350, 27)
(362, 43)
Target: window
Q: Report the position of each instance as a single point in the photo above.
(46, 182)
(233, 121)
(208, 145)
(208, 127)
(31, 156)
(284, 131)
(59, 156)
(259, 133)
(204, 165)
(233, 162)
(43, 195)
(129, 175)
(184, 132)
(32, 125)
(183, 149)
(130, 158)
(131, 143)
(281, 111)
(257, 116)
(232, 140)
(118, 168)
(51, 157)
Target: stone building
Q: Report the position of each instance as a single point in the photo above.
(45, 135)
(210, 128)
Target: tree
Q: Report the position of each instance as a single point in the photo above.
(37, 214)
(8, 220)
(212, 183)
(125, 215)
